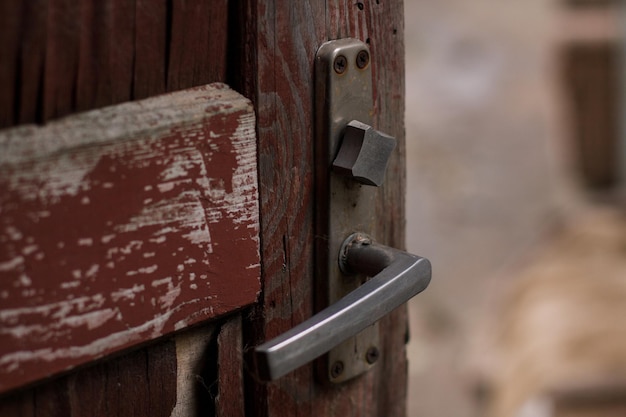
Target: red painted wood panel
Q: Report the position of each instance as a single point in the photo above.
(124, 224)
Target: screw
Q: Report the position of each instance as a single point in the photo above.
(362, 59)
(372, 355)
(336, 369)
(340, 64)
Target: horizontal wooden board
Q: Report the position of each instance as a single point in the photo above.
(123, 224)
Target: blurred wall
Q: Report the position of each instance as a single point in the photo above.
(489, 174)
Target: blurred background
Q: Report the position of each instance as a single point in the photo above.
(515, 160)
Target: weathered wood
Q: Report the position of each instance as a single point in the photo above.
(195, 354)
(229, 401)
(31, 63)
(197, 29)
(151, 37)
(10, 24)
(61, 56)
(139, 383)
(284, 39)
(124, 224)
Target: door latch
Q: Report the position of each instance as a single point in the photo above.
(397, 276)
(358, 281)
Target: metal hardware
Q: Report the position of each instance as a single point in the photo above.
(364, 154)
(349, 303)
(343, 205)
(397, 276)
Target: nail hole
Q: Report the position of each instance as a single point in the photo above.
(360, 5)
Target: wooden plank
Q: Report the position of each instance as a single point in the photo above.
(128, 385)
(284, 38)
(10, 16)
(61, 59)
(151, 48)
(198, 43)
(124, 224)
(229, 401)
(62, 56)
(29, 106)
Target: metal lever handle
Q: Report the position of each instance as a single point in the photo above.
(397, 277)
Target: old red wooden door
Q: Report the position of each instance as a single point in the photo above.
(62, 57)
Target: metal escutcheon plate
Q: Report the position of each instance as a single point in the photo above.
(343, 93)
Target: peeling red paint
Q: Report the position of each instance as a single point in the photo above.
(107, 243)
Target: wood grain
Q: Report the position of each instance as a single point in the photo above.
(229, 401)
(284, 39)
(151, 37)
(142, 382)
(124, 224)
(197, 29)
(59, 57)
(10, 16)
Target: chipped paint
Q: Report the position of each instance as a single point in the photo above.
(109, 219)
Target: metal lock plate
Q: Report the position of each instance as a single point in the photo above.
(343, 78)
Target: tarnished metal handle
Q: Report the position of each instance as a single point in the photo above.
(396, 277)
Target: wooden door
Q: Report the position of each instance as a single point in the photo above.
(61, 57)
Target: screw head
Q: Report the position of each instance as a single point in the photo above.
(362, 59)
(372, 355)
(336, 369)
(340, 64)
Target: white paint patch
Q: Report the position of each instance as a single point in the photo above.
(70, 284)
(149, 255)
(107, 238)
(85, 200)
(25, 280)
(11, 265)
(170, 297)
(127, 293)
(164, 231)
(13, 233)
(92, 271)
(163, 281)
(167, 186)
(27, 250)
(146, 270)
(86, 241)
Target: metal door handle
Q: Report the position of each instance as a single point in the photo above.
(397, 276)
